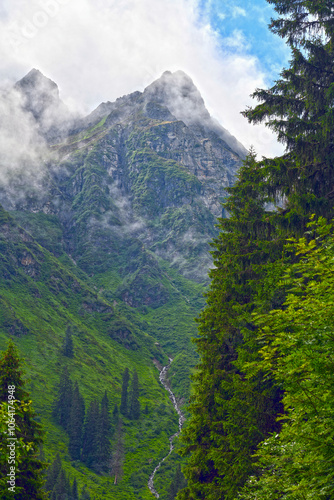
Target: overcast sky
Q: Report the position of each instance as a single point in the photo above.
(98, 50)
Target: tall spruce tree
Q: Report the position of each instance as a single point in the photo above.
(90, 436)
(62, 405)
(103, 436)
(15, 404)
(124, 397)
(75, 427)
(232, 410)
(117, 458)
(52, 474)
(74, 490)
(134, 410)
(299, 109)
(67, 347)
(230, 414)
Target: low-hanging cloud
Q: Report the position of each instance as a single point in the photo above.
(99, 50)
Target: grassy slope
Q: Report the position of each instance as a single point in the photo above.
(41, 295)
(112, 271)
(39, 298)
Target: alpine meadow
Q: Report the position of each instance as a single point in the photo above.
(167, 297)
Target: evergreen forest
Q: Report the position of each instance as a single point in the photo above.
(102, 363)
(261, 423)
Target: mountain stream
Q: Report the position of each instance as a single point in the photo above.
(162, 378)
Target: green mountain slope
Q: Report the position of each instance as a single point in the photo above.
(112, 240)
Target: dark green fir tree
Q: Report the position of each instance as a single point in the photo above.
(62, 404)
(90, 436)
(67, 347)
(103, 436)
(75, 428)
(74, 490)
(124, 397)
(233, 410)
(15, 404)
(52, 474)
(134, 410)
(229, 412)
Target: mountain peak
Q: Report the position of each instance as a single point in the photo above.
(36, 82)
(179, 94)
(40, 97)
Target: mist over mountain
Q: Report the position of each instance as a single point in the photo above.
(157, 163)
(105, 232)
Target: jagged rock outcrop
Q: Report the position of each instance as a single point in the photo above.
(147, 171)
(40, 98)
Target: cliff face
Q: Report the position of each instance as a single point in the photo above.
(148, 170)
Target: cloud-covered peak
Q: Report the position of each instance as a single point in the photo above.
(40, 97)
(179, 94)
(38, 92)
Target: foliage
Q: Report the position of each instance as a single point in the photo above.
(297, 351)
(233, 412)
(20, 437)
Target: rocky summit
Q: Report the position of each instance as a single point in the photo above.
(105, 233)
(149, 170)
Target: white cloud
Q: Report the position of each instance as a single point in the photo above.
(238, 11)
(98, 50)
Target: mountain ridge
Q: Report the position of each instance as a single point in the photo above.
(118, 210)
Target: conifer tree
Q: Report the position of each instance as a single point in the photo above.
(117, 459)
(29, 468)
(178, 482)
(103, 436)
(62, 405)
(229, 412)
(74, 490)
(115, 414)
(134, 410)
(89, 441)
(61, 487)
(52, 474)
(124, 397)
(75, 428)
(67, 347)
(232, 411)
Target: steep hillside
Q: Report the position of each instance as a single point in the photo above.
(111, 239)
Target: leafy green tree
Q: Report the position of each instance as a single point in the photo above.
(15, 405)
(298, 351)
(124, 397)
(84, 494)
(134, 410)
